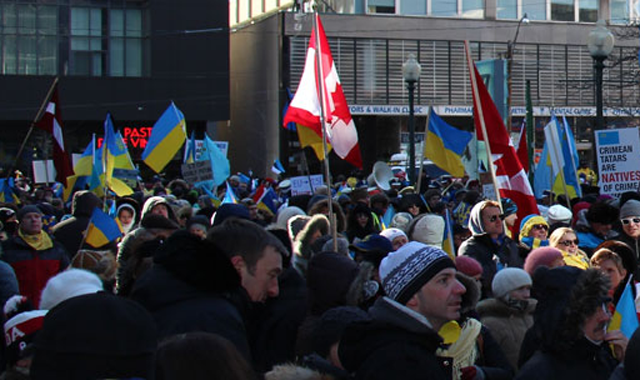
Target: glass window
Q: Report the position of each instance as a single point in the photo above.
(47, 55)
(86, 44)
(133, 57)
(588, 10)
(444, 8)
(9, 55)
(507, 9)
(47, 20)
(382, 6)
(535, 9)
(256, 8)
(473, 8)
(27, 61)
(116, 57)
(562, 10)
(619, 11)
(10, 20)
(116, 23)
(134, 23)
(413, 7)
(26, 19)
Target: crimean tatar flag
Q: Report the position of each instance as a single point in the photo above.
(102, 229)
(305, 107)
(167, 137)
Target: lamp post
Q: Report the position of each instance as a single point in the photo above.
(600, 43)
(411, 74)
(510, 48)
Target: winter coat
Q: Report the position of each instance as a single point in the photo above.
(70, 232)
(178, 307)
(508, 325)
(280, 319)
(490, 255)
(34, 268)
(584, 361)
(635, 246)
(398, 344)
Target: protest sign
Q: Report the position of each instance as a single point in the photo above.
(305, 184)
(618, 153)
(197, 172)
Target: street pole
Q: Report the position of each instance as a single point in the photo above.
(599, 66)
(411, 86)
(510, 48)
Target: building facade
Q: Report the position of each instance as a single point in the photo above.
(130, 58)
(371, 39)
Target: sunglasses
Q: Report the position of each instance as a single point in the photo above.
(570, 242)
(493, 218)
(541, 227)
(628, 221)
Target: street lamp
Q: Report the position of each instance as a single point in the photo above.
(600, 43)
(510, 48)
(411, 74)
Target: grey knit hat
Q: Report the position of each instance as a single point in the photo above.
(405, 271)
(509, 279)
(29, 209)
(630, 208)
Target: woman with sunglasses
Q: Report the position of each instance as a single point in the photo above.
(565, 239)
(630, 220)
(533, 234)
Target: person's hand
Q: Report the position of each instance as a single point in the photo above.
(468, 373)
(618, 343)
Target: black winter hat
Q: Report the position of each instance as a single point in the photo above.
(602, 212)
(329, 277)
(158, 221)
(331, 325)
(110, 337)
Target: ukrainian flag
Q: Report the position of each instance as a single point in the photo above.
(190, 150)
(625, 318)
(447, 238)
(388, 216)
(102, 229)
(7, 191)
(167, 137)
(445, 145)
(84, 165)
(214, 200)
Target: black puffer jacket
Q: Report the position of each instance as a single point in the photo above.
(194, 287)
(70, 232)
(395, 345)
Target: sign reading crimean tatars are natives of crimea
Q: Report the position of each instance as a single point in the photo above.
(618, 152)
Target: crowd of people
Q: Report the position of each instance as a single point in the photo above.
(349, 282)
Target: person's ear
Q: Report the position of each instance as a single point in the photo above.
(413, 302)
(238, 263)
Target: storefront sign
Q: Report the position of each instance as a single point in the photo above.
(618, 153)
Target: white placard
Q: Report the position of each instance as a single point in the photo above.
(618, 153)
(305, 184)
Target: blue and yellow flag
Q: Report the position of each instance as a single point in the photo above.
(102, 229)
(447, 237)
(388, 216)
(445, 145)
(190, 150)
(625, 318)
(7, 191)
(167, 137)
(229, 195)
(214, 199)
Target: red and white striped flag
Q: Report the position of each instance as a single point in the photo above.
(51, 122)
(511, 178)
(305, 108)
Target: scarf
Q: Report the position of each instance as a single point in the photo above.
(39, 242)
(464, 351)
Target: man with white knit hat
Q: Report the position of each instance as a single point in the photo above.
(630, 220)
(422, 295)
(559, 214)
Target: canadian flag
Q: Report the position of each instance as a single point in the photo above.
(305, 107)
(51, 122)
(512, 181)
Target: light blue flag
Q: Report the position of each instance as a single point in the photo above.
(388, 216)
(190, 150)
(219, 163)
(543, 174)
(229, 195)
(625, 318)
(571, 157)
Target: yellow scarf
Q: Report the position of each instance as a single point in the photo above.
(578, 260)
(464, 351)
(39, 242)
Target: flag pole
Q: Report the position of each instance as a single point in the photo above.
(33, 124)
(424, 147)
(483, 127)
(321, 89)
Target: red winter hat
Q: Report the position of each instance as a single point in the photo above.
(468, 265)
(544, 256)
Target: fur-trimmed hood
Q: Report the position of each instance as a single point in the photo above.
(303, 240)
(471, 297)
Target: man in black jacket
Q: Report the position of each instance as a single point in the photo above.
(400, 342)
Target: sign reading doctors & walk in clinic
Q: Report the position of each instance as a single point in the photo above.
(618, 152)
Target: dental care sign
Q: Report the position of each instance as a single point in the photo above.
(618, 152)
